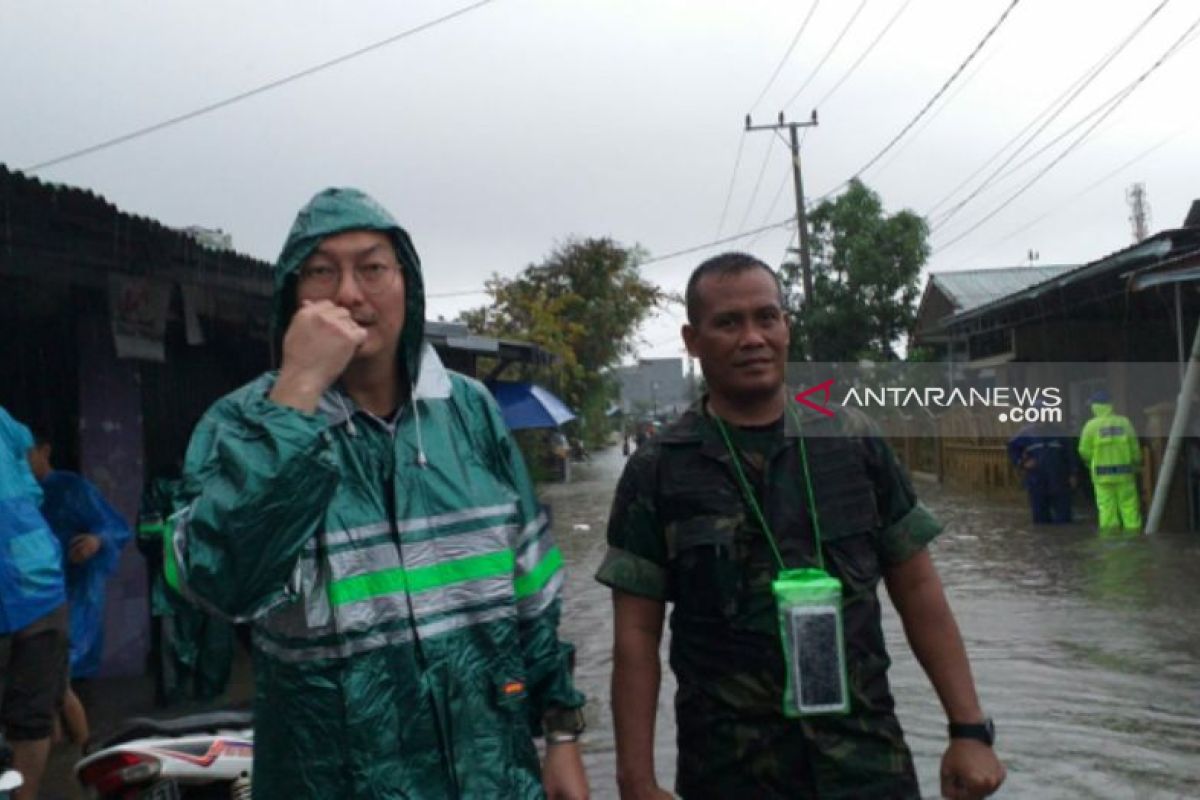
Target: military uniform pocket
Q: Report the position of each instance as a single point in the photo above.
(855, 561)
(845, 495)
(705, 575)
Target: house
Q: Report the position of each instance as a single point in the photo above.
(1113, 320)
(949, 293)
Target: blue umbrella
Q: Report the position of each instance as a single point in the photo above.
(527, 405)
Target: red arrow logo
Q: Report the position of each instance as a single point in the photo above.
(803, 400)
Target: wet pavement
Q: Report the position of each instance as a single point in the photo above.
(1086, 651)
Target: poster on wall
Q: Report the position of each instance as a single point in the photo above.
(138, 307)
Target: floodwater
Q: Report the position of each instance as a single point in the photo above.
(1086, 651)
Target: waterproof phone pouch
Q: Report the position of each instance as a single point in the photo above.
(810, 620)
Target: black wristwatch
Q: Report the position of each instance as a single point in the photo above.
(563, 725)
(979, 731)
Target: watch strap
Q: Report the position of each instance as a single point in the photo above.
(979, 731)
(562, 725)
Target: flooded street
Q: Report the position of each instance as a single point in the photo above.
(1085, 650)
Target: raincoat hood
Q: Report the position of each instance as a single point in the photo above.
(1102, 409)
(338, 210)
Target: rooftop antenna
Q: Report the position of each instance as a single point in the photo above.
(1139, 211)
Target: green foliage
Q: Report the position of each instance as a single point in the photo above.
(583, 304)
(866, 274)
(921, 355)
(535, 449)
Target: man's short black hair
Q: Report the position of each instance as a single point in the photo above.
(731, 263)
(42, 434)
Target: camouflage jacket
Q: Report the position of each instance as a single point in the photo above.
(681, 532)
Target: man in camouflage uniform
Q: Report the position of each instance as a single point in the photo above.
(682, 532)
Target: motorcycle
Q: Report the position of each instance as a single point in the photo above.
(198, 757)
(10, 779)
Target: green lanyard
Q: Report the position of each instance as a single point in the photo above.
(753, 502)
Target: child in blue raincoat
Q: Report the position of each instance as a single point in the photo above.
(92, 535)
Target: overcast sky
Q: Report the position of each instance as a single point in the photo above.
(501, 132)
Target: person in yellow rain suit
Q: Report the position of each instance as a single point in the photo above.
(1109, 446)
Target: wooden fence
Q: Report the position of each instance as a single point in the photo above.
(965, 452)
(961, 450)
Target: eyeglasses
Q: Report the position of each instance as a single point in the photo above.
(323, 279)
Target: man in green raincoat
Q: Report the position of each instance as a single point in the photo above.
(1109, 446)
(369, 512)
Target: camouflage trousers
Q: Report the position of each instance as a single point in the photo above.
(764, 755)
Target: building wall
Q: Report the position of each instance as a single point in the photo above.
(654, 386)
(39, 362)
(110, 455)
(934, 307)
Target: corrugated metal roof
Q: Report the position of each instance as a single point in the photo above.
(1152, 250)
(1182, 269)
(973, 288)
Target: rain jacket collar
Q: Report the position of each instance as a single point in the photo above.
(433, 383)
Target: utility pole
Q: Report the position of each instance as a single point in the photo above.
(801, 215)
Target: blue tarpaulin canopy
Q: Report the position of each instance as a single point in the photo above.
(527, 405)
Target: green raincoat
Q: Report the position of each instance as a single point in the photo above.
(1109, 446)
(403, 582)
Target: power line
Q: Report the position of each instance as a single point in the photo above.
(1103, 108)
(1090, 72)
(464, 293)
(976, 68)
(664, 257)
(774, 202)
(863, 56)
(788, 247)
(798, 181)
(1071, 94)
(987, 36)
(1000, 152)
(828, 53)
(1079, 123)
(741, 142)
(791, 220)
(266, 87)
(1178, 44)
(778, 194)
(1094, 185)
(786, 55)
(737, 162)
(757, 183)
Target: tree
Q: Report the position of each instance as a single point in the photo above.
(866, 273)
(583, 304)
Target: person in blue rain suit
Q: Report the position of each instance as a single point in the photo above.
(92, 535)
(1045, 455)
(33, 617)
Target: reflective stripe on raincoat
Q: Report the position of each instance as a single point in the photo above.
(1109, 446)
(401, 577)
(74, 506)
(31, 578)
